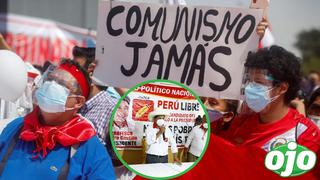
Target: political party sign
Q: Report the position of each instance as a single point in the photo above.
(131, 118)
(202, 47)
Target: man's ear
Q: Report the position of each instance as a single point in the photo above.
(80, 102)
(228, 117)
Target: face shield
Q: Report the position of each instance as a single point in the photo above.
(258, 83)
(258, 76)
(53, 90)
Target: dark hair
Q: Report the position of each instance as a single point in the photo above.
(87, 53)
(38, 67)
(101, 88)
(46, 65)
(313, 97)
(198, 120)
(281, 64)
(77, 65)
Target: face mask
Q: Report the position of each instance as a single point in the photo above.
(214, 115)
(160, 122)
(257, 96)
(52, 97)
(315, 119)
(205, 125)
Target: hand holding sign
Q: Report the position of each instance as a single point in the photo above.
(261, 28)
(261, 4)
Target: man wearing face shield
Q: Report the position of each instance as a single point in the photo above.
(53, 141)
(158, 138)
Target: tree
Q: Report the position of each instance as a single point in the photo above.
(308, 42)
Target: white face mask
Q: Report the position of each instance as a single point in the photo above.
(315, 119)
(205, 125)
(160, 122)
(52, 97)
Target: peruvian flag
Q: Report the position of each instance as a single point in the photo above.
(267, 40)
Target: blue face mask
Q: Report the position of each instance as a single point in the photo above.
(257, 96)
(52, 97)
(214, 115)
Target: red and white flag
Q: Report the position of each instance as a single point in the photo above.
(267, 40)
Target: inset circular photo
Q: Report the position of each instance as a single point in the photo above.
(159, 129)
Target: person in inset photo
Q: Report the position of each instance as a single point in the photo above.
(197, 139)
(151, 126)
(158, 139)
(121, 121)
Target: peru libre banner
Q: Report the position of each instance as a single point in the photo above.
(181, 105)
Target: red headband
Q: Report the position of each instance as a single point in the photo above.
(79, 76)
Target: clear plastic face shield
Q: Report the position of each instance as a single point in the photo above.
(53, 90)
(257, 87)
(62, 77)
(258, 76)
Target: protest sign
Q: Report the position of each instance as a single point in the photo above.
(182, 105)
(201, 47)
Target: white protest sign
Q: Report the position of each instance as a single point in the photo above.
(202, 47)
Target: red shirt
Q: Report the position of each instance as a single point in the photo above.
(248, 131)
(223, 160)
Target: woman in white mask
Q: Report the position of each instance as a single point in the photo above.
(53, 141)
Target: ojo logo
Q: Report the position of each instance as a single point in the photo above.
(290, 160)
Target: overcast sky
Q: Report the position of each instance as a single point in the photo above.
(287, 17)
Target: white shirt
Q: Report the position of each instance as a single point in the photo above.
(157, 146)
(197, 139)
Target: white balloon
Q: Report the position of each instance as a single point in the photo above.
(13, 76)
